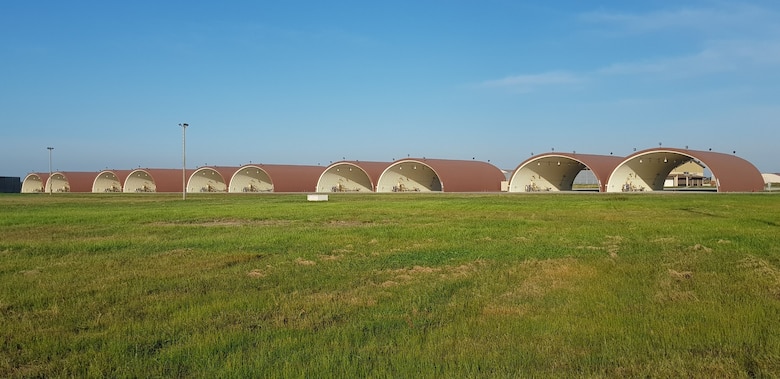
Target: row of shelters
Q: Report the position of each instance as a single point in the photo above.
(647, 170)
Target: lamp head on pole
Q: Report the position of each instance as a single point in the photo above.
(184, 125)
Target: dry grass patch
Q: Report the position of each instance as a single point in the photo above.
(410, 274)
(544, 276)
(611, 245)
(317, 310)
(701, 248)
(304, 262)
(257, 273)
(388, 284)
(32, 272)
(673, 287)
(765, 270)
(680, 275)
(346, 249)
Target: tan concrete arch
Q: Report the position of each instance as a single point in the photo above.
(440, 175)
(109, 181)
(351, 176)
(557, 171)
(251, 178)
(275, 178)
(210, 179)
(647, 170)
(35, 183)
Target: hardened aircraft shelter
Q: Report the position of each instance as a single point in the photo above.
(440, 175)
(275, 178)
(210, 179)
(73, 181)
(351, 176)
(155, 180)
(110, 181)
(647, 170)
(35, 183)
(557, 171)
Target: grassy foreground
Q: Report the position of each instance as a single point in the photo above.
(407, 285)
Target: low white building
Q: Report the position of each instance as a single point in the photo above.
(772, 182)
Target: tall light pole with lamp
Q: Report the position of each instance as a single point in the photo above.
(184, 160)
(50, 181)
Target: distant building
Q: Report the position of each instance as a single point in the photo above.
(10, 184)
(771, 181)
(688, 174)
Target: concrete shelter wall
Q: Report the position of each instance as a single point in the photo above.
(35, 183)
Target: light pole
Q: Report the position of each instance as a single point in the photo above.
(50, 149)
(184, 160)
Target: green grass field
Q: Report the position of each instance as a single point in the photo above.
(390, 285)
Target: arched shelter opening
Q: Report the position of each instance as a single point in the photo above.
(210, 179)
(440, 175)
(275, 178)
(557, 171)
(70, 182)
(110, 181)
(57, 182)
(647, 170)
(351, 176)
(155, 180)
(251, 179)
(35, 183)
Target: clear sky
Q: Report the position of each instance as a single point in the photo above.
(106, 83)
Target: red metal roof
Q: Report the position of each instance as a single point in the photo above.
(291, 178)
(461, 175)
(78, 181)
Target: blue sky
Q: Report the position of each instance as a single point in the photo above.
(106, 83)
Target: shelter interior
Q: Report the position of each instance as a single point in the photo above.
(409, 176)
(251, 179)
(206, 180)
(344, 178)
(58, 183)
(33, 184)
(551, 173)
(107, 182)
(140, 181)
